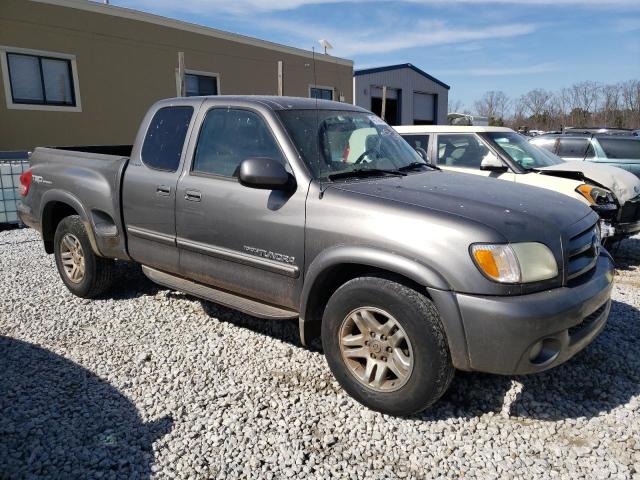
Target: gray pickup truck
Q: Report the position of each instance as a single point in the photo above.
(289, 208)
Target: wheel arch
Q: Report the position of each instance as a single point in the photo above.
(334, 267)
(56, 206)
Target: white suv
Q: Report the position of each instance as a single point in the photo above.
(502, 153)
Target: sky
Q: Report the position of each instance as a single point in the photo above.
(472, 45)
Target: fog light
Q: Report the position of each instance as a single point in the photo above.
(544, 351)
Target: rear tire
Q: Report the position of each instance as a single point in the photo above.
(405, 365)
(83, 272)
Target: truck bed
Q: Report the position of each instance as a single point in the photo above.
(90, 179)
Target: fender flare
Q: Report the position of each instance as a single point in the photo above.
(55, 195)
(363, 255)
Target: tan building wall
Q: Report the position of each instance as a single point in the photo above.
(125, 64)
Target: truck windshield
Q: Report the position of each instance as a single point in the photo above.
(522, 152)
(334, 143)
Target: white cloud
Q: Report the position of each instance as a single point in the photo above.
(421, 34)
(251, 7)
(499, 71)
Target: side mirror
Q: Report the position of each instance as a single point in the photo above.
(493, 164)
(264, 173)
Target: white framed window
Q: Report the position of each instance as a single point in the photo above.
(40, 80)
(321, 93)
(199, 83)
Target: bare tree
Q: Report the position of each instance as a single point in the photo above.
(456, 106)
(582, 104)
(610, 114)
(630, 95)
(536, 103)
(493, 104)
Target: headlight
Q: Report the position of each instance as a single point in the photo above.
(515, 262)
(595, 195)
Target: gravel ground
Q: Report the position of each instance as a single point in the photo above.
(150, 382)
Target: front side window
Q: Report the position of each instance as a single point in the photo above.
(623, 148)
(40, 80)
(227, 137)
(198, 85)
(522, 152)
(575, 148)
(461, 150)
(337, 142)
(321, 93)
(162, 147)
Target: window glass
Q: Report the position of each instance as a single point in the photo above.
(163, 144)
(321, 93)
(26, 86)
(575, 148)
(57, 80)
(417, 141)
(526, 154)
(227, 137)
(334, 142)
(200, 85)
(464, 151)
(548, 144)
(627, 148)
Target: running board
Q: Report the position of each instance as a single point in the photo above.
(245, 305)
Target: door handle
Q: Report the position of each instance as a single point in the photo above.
(192, 195)
(163, 190)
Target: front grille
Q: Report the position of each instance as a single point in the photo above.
(588, 320)
(630, 211)
(582, 252)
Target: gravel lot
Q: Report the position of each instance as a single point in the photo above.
(150, 382)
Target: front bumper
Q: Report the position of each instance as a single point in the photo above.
(531, 333)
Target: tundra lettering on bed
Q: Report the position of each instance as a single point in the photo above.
(290, 208)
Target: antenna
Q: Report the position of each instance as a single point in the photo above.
(325, 44)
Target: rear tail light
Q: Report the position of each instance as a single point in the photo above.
(25, 182)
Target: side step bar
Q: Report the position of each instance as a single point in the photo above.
(245, 305)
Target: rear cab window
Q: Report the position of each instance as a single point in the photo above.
(163, 144)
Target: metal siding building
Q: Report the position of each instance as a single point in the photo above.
(413, 96)
(86, 73)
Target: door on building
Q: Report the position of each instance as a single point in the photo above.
(424, 108)
(392, 109)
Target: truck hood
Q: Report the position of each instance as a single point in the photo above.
(624, 185)
(517, 212)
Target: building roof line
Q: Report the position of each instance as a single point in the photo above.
(122, 12)
(400, 66)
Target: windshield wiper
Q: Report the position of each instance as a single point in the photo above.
(413, 165)
(366, 172)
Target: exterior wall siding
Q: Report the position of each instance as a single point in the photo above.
(409, 82)
(125, 65)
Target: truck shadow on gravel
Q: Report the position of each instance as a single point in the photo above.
(600, 378)
(59, 420)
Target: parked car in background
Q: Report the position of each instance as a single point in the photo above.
(500, 152)
(622, 151)
(405, 271)
(466, 119)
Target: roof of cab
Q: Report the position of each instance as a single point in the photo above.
(448, 129)
(274, 102)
